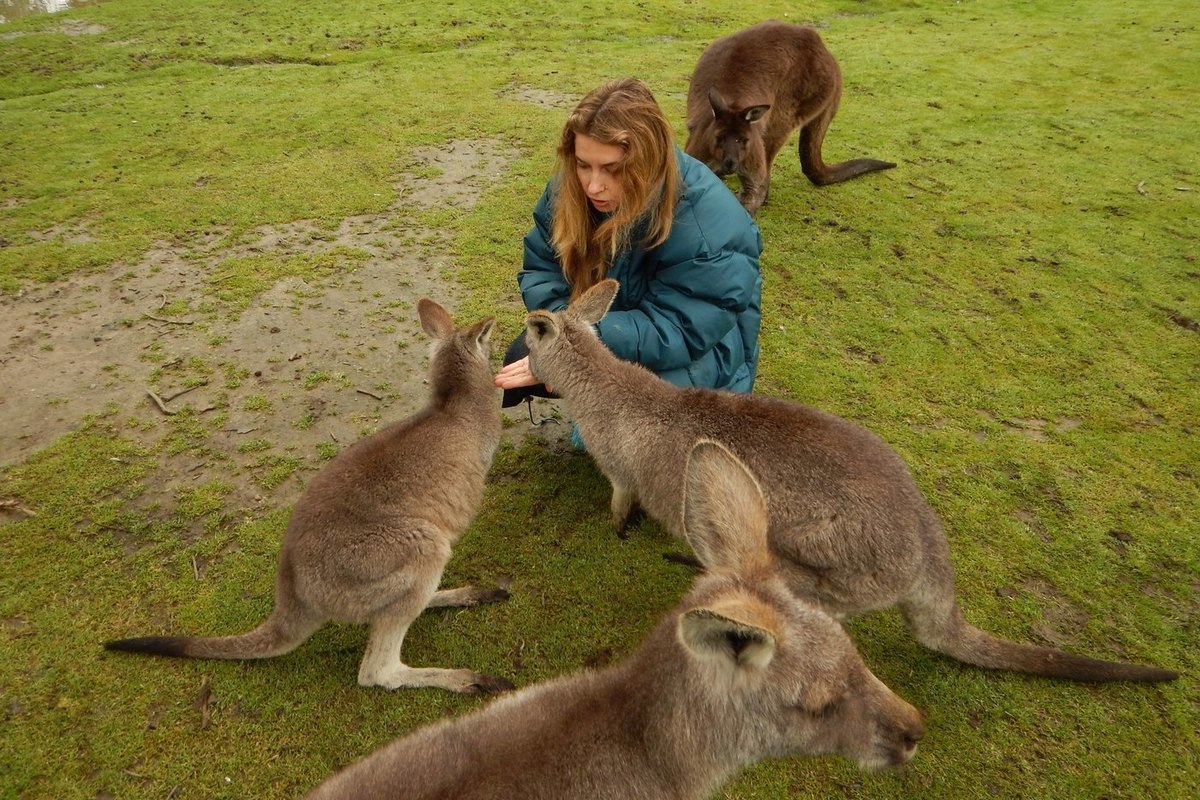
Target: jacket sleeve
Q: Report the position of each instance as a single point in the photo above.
(541, 278)
(693, 301)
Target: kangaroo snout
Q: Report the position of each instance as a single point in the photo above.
(897, 736)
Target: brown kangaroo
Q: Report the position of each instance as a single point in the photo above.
(750, 90)
(370, 536)
(850, 530)
(739, 671)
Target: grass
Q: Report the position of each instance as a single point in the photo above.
(1009, 307)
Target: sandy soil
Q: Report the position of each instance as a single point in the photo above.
(99, 344)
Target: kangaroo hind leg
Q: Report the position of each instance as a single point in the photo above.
(383, 664)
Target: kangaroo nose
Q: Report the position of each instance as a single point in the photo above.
(911, 735)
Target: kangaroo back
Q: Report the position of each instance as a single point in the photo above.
(750, 90)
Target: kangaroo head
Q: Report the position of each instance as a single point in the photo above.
(785, 673)
(455, 350)
(549, 335)
(735, 134)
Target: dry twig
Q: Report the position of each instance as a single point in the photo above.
(182, 392)
(202, 703)
(170, 321)
(15, 505)
(158, 401)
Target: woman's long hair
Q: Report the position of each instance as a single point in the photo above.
(625, 114)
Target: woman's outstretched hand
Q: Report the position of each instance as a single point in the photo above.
(516, 375)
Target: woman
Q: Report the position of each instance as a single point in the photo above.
(628, 204)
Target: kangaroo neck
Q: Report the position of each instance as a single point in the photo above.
(599, 380)
(467, 389)
(683, 734)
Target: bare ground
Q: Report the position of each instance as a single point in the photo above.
(309, 365)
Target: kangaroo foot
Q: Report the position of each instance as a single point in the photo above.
(686, 559)
(460, 681)
(466, 596)
(489, 684)
(633, 517)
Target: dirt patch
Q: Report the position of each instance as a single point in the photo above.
(1037, 429)
(546, 98)
(1061, 621)
(454, 174)
(308, 367)
(75, 27)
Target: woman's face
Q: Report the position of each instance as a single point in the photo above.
(598, 166)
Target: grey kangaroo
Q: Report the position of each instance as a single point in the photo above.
(850, 530)
(371, 534)
(739, 671)
(750, 90)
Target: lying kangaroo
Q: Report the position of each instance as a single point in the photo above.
(849, 529)
(370, 536)
(740, 670)
(750, 90)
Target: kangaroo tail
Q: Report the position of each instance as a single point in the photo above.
(844, 170)
(277, 635)
(812, 137)
(950, 633)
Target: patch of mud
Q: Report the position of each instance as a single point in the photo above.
(69, 234)
(309, 367)
(1061, 620)
(1037, 429)
(1031, 521)
(454, 175)
(75, 27)
(546, 98)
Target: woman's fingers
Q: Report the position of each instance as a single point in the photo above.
(516, 375)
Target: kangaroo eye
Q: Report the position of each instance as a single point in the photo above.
(821, 711)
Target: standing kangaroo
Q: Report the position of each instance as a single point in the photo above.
(370, 536)
(740, 670)
(849, 528)
(750, 90)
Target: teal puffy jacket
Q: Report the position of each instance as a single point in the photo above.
(688, 309)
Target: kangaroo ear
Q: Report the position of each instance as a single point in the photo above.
(724, 511)
(481, 331)
(709, 634)
(754, 113)
(435, 320)
(540, 326)
(717, 102)
(593, 304)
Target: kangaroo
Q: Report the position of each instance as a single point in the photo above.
(739, 670)
(849, 528)
(750, 90)
(371, 534)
